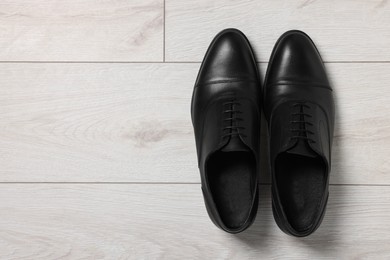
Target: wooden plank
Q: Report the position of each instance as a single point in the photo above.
(351, 30)
(170, 222)
(131, 123)
(96, 122)
(84, 30)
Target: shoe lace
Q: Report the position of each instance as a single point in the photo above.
(232, 117)
(302, 124)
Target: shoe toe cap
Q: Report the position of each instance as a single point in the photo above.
(229, 58)
(296, 60)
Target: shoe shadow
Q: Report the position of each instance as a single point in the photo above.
(324, 240)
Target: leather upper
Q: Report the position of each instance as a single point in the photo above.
(228, 72)
(296, 82)
(296, 74)
(228, 79)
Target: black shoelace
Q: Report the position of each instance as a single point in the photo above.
(302, 132)
(232, 114)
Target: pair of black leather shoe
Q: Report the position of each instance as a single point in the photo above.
(226, 111)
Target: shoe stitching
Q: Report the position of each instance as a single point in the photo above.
(318, 85)
(226, 81)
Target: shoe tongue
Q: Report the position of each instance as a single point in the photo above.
(235, 145)
(303, 148)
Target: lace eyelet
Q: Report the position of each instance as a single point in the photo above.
(233, 118)
(302, 131)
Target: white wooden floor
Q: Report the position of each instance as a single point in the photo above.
(97, 154)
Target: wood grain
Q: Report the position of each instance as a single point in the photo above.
(40, 221)
(348, 30)
(86, 30)
(100, 122)
(131, 123)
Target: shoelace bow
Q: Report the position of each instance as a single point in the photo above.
(302, 132)
(232, 114)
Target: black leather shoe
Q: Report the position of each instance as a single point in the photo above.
(226, 118)
(299, 107)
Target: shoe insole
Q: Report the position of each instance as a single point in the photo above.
(301, 183)
(231, 176)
